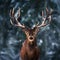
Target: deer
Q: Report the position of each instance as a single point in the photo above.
(29, 49)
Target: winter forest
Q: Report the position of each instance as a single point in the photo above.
(12, 38)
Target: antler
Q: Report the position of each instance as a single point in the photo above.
(13, 18)
(47, 17)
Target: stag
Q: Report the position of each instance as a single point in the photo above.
(30, 50)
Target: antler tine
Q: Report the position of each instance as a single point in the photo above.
(12, 12)
(12, 15)
(42, 13)
(18, 14)
(47, 11)
(16, 19)
(19, 11)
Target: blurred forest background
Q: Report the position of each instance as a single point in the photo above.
(11, 37)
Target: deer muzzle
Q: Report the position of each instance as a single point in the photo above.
(31, 38)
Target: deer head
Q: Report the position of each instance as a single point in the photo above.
(30, 33)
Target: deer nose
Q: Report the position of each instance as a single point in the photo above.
(31, 38)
